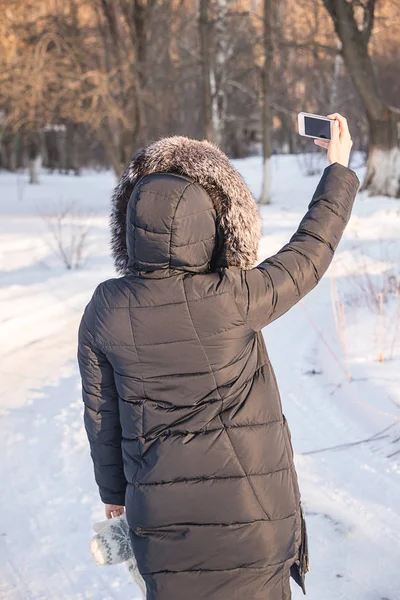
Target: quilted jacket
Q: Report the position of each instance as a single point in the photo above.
(181, 405)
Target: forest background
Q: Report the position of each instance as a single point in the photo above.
(86, 83)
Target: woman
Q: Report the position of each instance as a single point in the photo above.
(181, 405)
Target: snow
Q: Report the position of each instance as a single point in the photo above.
(350, 490)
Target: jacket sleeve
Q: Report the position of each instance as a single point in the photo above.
(101, 414)
(270, 289)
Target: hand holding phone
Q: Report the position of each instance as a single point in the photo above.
(331, 133)
(339, 147)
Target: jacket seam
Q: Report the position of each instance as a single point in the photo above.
(200, 374)
(247, 477)
(123, 344)
(188, 184)
(284, 268)
(243, 316)
(172, 222)
(193, 243)
(164, 343)
(206, 210)
(232, 523)
(222, 401)
(329, 206)
(184, 433)
(205, 372)
(206, 337)
(153, 230)
(139, 362)
(316, 237)
(171, 408)
(198, 337)
(311, 262)
(171, 303)
(246, 567)
(237, 304)
(209, 478)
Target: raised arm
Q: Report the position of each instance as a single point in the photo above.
(270, 289)
(101, 413)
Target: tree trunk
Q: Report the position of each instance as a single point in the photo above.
(73, 153)
(335, 79)
(120, 142)
(63, 151)
(8, 150)
(138, 15)
(14, 153)
(35, 157)
(383, 166)
(204, 30)
(218, 85)
(35, 165)
(265, 197)
(383, 171)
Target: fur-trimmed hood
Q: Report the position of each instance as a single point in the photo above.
(205, 164)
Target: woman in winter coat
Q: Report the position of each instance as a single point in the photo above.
(181, 404)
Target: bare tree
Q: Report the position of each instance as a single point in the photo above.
(120, 111)
(116, 74)
(265, 197)
(35, 156)
(353, 21)
(69, 228)
(219, 71)
(204, 31)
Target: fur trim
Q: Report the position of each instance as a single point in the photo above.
(207, 165)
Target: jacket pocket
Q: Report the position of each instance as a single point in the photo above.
(289, 448)
(288, 435)
(301, 566)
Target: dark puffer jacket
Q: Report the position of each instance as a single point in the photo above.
(182, 409)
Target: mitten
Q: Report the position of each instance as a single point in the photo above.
(112, 545)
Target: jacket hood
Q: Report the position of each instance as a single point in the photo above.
(210, 176)
(171, 226)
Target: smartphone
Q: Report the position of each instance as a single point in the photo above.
(315, 126)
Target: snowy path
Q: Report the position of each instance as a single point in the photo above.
(48, 496)
(351, 495)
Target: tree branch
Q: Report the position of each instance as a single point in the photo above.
(312, 45)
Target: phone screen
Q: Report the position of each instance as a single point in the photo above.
(317, 127)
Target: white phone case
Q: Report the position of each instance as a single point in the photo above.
(300, 121)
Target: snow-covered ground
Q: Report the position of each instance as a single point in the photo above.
(335, 392)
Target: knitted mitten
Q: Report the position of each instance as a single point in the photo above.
(112, 545)
(136, 576)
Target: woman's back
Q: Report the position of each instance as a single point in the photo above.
(181, 404)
